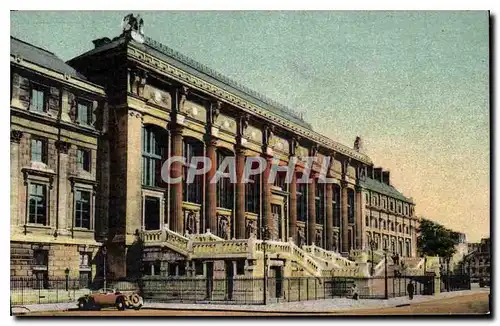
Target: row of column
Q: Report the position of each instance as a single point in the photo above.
(177, 220)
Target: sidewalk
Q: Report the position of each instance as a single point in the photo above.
(313, 306)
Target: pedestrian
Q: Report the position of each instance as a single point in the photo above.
(354, 291)
(410, 288)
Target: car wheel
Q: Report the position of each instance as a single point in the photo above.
(82, 304)
(91, 304)
(120, 304)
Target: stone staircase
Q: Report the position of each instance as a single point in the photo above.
(314, 260)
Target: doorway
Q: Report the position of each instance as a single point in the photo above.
(229, 279)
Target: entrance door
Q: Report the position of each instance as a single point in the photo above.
(229, 279)
(277, 213)
(279, 282)
(210, 279)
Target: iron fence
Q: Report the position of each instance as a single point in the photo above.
(237, 290)
(455, 282)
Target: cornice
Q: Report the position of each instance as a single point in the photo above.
(175, 73)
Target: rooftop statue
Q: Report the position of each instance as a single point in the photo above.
(134, 26)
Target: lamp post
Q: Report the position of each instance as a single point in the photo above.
(264, 234)
(386, 291)
(66, 274)
(104, 254)
(372, 244)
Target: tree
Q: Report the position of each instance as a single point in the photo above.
(436, 240)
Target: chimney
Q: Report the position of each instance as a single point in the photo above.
(100, 42)
(386, 177)
(377, 174)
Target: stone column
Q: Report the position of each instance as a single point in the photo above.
(329, 217)
(64, 220)
(359, 218)
(176, 216)
(311, 211)
(344, 222)
(240, 226)
(211, 188)
(15, 216)
(267, 217)
(293, 207)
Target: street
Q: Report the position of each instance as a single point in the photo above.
(474, 303)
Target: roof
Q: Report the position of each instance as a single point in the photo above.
(207, 74)
(383, 188)
(41, 57)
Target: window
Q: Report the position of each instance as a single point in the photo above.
(367, 198)
(280, 180)
(224, 186)
(83, 112)
(252, 194)
(240, 267)
(151, 213)
(85, 259)
(37, 203)
(40, 257)
(192, 192)
(392, 206)
(336, 206)
(350, 205)
(198, 267)
(82, 209)
(367, 221)
(83, 159)
(301, 201)
(40, 263)
(39, 150)
(85, 278)
(320, 202)
(38, 100)
(152, 153)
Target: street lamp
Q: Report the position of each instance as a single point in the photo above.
(386, 291)
(264, 235)
(104, 253)
(372, 246)
(66, 274)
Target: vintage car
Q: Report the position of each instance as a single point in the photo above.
(110, 298)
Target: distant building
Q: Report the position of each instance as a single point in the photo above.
(477, 262)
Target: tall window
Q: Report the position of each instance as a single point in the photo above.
(152, 153)
(350, 205)
(83, 159)
(38, 98)
(151, 213)
(320, 202)
(82, 209)
(280, 180)
(40, 262)
(83, 112)
(38, 150)
(38, 203)
(192, 192)
(301, 201)
(252, 194)
(336, 205)
(224, 186)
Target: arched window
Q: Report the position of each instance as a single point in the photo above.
(252, 194)
(154, 148)
(320, 202)
(192, 191)
(224, 186)
(336, 205)
(301, 201)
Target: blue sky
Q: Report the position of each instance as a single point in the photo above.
(413, 85)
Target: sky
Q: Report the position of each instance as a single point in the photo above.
(414, 85)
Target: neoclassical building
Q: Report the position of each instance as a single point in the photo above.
(97, 179)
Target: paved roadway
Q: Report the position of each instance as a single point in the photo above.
(471, 303)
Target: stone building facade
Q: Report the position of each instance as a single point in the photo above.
(55, 133)
(159, 103)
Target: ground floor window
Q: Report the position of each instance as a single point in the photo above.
(41, 279)
(151, 213)
(85, 278)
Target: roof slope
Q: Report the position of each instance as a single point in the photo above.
(41, 57)
(383, 188)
